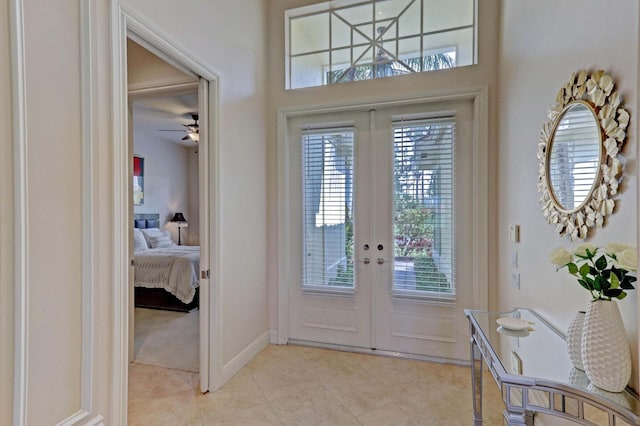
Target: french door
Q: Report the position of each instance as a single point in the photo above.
(381, 218)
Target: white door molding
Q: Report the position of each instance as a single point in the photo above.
(21, 240)
(126, 22)
(86, 413)
(479, 97)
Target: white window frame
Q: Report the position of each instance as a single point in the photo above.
(333, 6)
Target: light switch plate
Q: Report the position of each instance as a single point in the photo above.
(515, 279)
(514, 233)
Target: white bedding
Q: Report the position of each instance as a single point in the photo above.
(175, 269)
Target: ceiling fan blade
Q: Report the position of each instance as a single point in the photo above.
(186, 138)
(170, 130)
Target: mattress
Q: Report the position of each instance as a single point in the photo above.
(175, 269)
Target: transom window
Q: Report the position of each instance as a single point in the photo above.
(342, 41)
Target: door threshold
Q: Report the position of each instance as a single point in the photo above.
(379, 352)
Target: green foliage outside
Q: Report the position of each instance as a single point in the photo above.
(414, 226)
(414, 230)
(427, 275)
(366, 71)
(344, 275)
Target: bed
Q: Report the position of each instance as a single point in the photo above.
(166, 275)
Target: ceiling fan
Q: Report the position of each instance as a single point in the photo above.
(191, 130)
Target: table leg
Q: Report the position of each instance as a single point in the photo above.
(518, 418)
(476, 382)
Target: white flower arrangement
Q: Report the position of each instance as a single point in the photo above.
(606, 272)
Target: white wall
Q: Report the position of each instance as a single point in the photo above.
(193, 203)
(484, 73)
(542, 43)
(54, 209)
(52, 268)
(230, 39)
(227, 36)
(146, 70)
(167, 188)
(6, 223)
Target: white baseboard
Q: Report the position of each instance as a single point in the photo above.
(82, 416)
(246, 355)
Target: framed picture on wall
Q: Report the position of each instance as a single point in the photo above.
(138, 180)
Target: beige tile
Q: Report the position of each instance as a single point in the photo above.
(363, 396)
(261, 415)
(240, 393)
(276, 356)
(337, 369)
(449, 403)
(413, 376)
(177, 409)
(397, 414)
(314, 386)
(155, 382)
(277, 381)
(350, 422)
(310, 407)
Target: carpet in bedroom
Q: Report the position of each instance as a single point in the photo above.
(167, 339)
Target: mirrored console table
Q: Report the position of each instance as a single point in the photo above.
(533, 370)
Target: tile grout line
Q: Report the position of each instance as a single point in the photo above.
(275, 413)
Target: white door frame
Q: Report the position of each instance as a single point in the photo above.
(125, 22)
(479, 97)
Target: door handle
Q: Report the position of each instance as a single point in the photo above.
(366, 261)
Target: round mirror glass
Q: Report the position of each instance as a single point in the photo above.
(574, 156)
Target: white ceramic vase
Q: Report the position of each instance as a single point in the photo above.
(605, 349)
(574, 340)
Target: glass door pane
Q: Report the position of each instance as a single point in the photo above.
(328, 209)
(423, 206)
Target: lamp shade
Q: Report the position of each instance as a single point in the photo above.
(179, 217)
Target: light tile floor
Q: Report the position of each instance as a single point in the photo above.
(296, 385)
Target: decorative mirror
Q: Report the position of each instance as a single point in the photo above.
(579, 169)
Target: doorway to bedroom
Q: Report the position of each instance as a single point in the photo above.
(164, 142)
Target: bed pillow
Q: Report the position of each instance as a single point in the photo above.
(139, 242)
(149, 232)
(161, 241)
(157, 238)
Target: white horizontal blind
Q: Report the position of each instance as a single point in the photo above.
(423, 207)
(574, 157)
(328, 209)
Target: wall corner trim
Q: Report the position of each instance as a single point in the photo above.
(21, 236)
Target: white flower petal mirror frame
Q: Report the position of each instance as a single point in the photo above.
(588, 100)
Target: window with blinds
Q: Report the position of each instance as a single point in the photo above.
(328, 209)
(423, 167)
